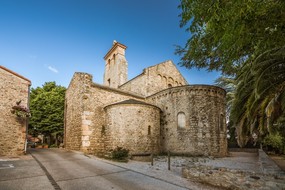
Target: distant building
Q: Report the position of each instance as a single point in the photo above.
(14, 88)
(157, 111)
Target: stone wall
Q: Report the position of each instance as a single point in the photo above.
(225, 178)
(76, 94)
(87, 100)
(154, 79)
(134, 126)
(13, 131)
(193, 120)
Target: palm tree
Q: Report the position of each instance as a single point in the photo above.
(229, 84)
(259, 101)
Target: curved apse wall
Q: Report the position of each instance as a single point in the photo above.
(193, 119)
(133, 126)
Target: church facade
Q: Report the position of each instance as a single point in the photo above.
(155, 112)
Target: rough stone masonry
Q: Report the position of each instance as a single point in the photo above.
(14, 88)
(155, 112)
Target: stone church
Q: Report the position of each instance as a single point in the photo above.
(155, 112)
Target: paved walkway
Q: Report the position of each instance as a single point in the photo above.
(26, 173)
(22, 173)
(268, 166)
(67, 170)
(279, 160)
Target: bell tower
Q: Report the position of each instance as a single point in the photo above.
(116, 66)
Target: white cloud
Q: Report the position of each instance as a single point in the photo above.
(53, 69)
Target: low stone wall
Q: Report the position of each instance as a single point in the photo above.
(243, 150)
(232, 179)
(269, 177)
(258, 172)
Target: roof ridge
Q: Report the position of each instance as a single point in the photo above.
(16, 74)
(132, 101)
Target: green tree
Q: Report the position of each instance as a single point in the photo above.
(47, 109)
(229, 84)
(243, 39)
(259, 103)
(227, 34)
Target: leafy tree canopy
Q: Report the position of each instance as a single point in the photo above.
(226, 34)
(245, 39)
(47, 109)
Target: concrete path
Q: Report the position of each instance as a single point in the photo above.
(23, 173)
(279, 160)
(66, 170)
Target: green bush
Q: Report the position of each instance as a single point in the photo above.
(120, 153)
(53, 146)
(275, 141)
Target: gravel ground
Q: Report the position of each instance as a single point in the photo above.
(236, 160)
(160, 171)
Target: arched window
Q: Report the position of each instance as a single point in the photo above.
(170, 81)
(114, 57)
(149, 130)
(181, 120)
(159, 78)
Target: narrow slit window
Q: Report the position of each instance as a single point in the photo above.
(149, 130)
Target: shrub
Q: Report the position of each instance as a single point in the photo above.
(275, 141)
(120, 153)
(53, 146)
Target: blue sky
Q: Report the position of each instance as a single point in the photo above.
(49, 40)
